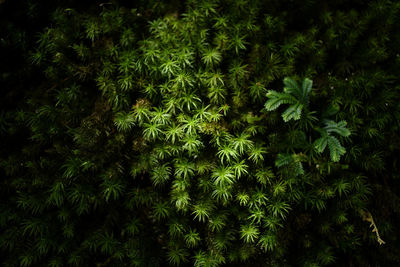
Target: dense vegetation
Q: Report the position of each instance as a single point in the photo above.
(200, 133)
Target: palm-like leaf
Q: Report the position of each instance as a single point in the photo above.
(321, 143)
(160, 116)
(292, 112)
(306, 89)
(294, 95)
(335, 148)
(276, 99)
(337, 127)
(291, 87)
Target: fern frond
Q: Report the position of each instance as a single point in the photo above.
(306, 89)
(291, 87)
(335, 148)
(276, 99)
(292, 112)
(321, 143)
(337, 127)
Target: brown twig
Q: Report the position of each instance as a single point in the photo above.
(367, 216)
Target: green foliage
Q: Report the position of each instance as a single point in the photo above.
(335, 148)
(293, 94)
(124, 121)
(149, 133)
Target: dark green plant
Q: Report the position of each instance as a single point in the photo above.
(160, 133)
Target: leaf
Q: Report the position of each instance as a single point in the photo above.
(306, 88)
(293, 94)
(293, 112)
(321, 143)
(291, 87)
(283, 159)
(256, 215)
(276, 99)
(335, 148)
(337, 127)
